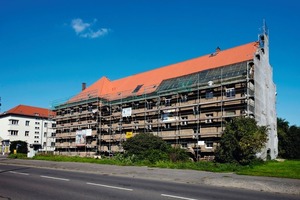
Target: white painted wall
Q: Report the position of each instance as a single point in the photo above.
(39, 130)
(265, 99)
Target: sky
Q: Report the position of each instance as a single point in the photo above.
(48, 48)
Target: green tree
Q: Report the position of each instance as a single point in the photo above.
(288, 139)
(18, 145)
(240, 142)
(282, 133)
(147, 147)
(293, 143)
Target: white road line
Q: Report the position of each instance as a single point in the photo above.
(13, 172)
(108, 186)
(55, 178)
(176, 197)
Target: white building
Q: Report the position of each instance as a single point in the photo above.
(33, 125)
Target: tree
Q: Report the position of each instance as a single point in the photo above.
(146, 146)
(18, 145)
(293, 139)
(288, 139)
(240, 142)
(282, 133)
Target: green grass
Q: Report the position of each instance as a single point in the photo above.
(285, 169)
(18, 155)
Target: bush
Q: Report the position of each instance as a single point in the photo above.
(146, 146)
(151, 149)
(177, 154)
(17, 155)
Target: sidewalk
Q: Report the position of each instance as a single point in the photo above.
(267, 184)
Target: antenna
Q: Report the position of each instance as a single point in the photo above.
(265, 28)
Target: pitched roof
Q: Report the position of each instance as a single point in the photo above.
(30, 111)
(149, 79)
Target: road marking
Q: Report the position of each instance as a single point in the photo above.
(109, 186)
(176, 197)
(55, 178)
(13, 172)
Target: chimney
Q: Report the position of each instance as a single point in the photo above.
(83, 86)
(218, 49)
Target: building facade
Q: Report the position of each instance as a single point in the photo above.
(187, 104)
(30, 124)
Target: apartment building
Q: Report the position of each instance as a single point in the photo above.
(187, 104)
(33, 125)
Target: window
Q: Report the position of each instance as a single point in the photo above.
(37, 132)
(230, 92)
(168, 125)
(230, 113)
(14, 122)
(149, 127)
(184, 145)
(26, 133)
(209, 94)
(36, 137)
(137, 88)
(53, 125)
(196, 130)
(168, 102)
(52, 144)
(184, 98)
(149, 105)
(37, 123)
(196, 110)
(37, 128)
(209, 144)
(27, 123)
(136, 127)
(13, 132)
(209, 118)
(45, 134)
(45, 124)
(135, 105)
(184, 120)
(36, 141)
(53, 134)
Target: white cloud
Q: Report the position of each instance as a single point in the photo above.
(84, 29)
(79, 26)
(95, 34)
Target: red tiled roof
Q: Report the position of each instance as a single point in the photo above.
(154, 77)
(30, 111)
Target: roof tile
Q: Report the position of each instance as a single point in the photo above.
(30, 111)
(154, 77)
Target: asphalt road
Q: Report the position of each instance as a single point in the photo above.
(22, 182)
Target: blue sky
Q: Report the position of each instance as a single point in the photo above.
(48, 47)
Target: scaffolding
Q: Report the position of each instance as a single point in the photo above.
(188, 111)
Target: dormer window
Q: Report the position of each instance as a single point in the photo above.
(138, 87)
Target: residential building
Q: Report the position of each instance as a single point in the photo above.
(186, 104)
(33, 125)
